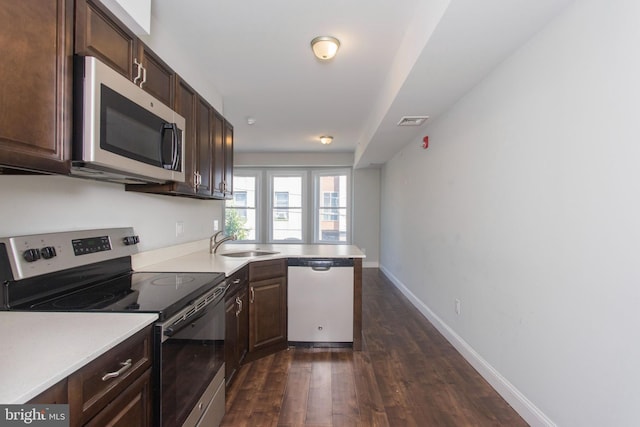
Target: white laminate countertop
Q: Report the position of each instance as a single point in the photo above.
(202, 261)
(40, 349)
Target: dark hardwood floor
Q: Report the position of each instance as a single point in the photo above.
(406, 375)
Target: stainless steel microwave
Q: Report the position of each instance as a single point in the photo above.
(122, 133)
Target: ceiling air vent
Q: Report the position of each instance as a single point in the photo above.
(412, 120)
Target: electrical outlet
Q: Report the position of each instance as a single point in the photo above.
(216, 225)
(457, 305)
(179, 228)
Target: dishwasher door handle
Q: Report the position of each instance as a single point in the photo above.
(321, 268)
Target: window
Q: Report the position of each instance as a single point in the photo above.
(241, 211)
(332, 207)
(290, 206)
(286, 206)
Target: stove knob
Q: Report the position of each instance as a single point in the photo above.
(31, 255)
(131, 240)
(48, 252)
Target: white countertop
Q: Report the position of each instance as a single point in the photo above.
(40, 349)
(202, 261)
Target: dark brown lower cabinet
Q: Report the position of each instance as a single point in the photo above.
(131, 408)
(267, 307)
(115, 400)
(236, 323)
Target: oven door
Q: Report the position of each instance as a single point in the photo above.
(191, 364)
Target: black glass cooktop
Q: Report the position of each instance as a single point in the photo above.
(162, 293)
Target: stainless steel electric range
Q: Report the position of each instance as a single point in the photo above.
(90, 270)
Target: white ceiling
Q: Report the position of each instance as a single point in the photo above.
(397, 58)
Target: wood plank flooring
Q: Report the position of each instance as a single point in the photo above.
(406, 375)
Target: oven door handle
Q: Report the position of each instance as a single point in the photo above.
(181, 324)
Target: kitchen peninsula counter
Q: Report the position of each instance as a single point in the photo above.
(195, 257)
(200, 260)
(40, 349)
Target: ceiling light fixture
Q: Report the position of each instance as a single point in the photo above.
(325, 47)
(326, 140)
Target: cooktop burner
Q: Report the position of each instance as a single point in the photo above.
(177, 280)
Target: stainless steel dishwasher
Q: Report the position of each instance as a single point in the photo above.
(320, 300)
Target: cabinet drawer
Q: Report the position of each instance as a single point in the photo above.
(237, 280)
(95, 385)
(269, 269)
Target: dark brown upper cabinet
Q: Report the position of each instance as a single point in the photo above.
(99, 33)
(228, 160)
(36, 70)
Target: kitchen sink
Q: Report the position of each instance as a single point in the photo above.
(248, 254)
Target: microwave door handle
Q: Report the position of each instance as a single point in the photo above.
(174, 146)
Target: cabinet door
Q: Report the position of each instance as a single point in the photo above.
(100, 34)
(243, 324)
(186, 105)
(36, 71)
(267, 313)
(231, 361)
(228, 160)
(218, 155)
(159, 78)
(204, 147)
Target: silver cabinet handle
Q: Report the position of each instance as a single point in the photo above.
(239, 301)
(144, 76)
(235, 282)
(253, 295)
(125, 367)
(139, 66)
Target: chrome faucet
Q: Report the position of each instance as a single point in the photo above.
(214, 243)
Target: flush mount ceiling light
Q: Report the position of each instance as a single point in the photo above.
(325, 47)
(326, 140)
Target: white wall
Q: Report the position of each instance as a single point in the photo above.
(136, 14)
(300, 159)
(526, 207)
(366, 214)
(43, 204)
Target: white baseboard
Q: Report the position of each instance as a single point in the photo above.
(523, 406)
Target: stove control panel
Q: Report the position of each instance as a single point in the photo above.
(38, 254)
(90, 245)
